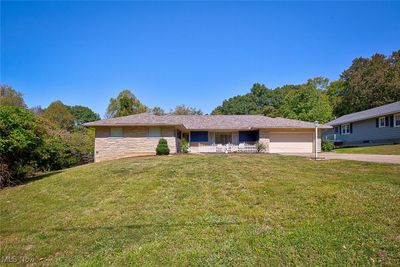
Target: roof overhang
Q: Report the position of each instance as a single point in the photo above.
(332, 123)
(130, 125)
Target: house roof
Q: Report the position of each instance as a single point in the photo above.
(204, 122)
(367, 114)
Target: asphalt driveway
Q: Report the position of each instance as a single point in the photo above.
(395, 159)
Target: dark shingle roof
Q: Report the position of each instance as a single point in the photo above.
(204, 122)
(368, 114)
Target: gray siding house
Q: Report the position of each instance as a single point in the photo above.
(380, 125)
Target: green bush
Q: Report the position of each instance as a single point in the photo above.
(185, 146)
(29, 144)
(260, 147)
(327, 146)
(162, 147)
(57, 154)
(20, 139)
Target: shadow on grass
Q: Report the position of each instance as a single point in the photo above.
(39, 177)
(129, 226)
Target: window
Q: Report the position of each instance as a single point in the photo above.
(337, 129)
(223, 138)
(248, 136)
(199, 136)
(116, 132)
(382, 122)
(397, 120)
(155, 132)
(346, 128)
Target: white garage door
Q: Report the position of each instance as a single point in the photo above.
(291, 142)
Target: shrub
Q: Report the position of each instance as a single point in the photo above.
(5, 174)
(162, 147)
(56, 154)
(20, 138)
(30, 143)
(260, 147)
(185, 146)
(327, 146)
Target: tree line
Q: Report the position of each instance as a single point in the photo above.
(367, 83)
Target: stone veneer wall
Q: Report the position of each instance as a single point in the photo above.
(264, 138)
(135, 141)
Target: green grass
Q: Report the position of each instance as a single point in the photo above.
(379, 150)
(207, 210)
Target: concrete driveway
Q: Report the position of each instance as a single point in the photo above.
(395, 159)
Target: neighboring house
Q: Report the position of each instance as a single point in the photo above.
(380, 125)
(139, 134)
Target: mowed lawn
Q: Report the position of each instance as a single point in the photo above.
(379, 150)
(235, 210)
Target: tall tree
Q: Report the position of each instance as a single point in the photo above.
(335, 91)
(307, 104)
(83, 114)
(184, 110)
(125, 104)
(59, 114)
(11, 97)
(370, 82)
(157, 111)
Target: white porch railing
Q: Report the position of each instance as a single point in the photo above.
(228, 148)
(333, 137)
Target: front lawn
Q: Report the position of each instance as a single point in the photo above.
(379, 150)
(207, 210)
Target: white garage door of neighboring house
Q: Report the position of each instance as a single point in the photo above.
(291, 143)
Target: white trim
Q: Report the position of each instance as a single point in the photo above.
(394, 120)
(346, 127)
(384, 122)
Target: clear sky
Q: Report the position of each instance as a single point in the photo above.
(196, 53)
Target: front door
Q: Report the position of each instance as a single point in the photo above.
(223, 138)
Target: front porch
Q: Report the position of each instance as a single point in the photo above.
(228, 148)
(218, 141)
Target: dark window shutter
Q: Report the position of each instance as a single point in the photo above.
(340, 129)
(351, 128)
(391, 120)
(387, 121)
(377, 122)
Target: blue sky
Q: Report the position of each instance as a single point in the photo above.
(196, 53)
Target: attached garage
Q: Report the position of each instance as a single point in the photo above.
(286, 142)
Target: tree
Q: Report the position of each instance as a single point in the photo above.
(59, 114)
(320, 83)
(125, 104)
(11, 97)
(270, 111)
(307, 104)
(370, 82)
(157, 111)
(37, 110)
(184, 110)
(83, 114)
(260, 100)
(21, 137)
(335, 91)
